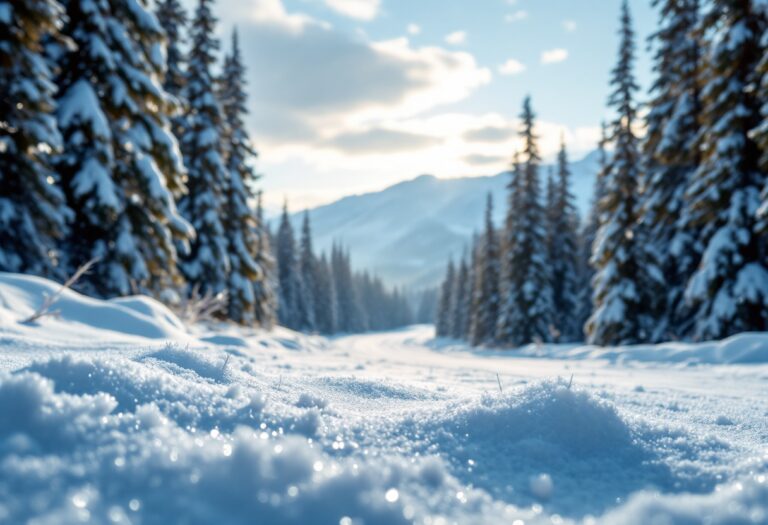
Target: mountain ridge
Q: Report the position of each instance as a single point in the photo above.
(406, 232)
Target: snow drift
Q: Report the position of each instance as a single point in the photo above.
(79, 317)
(114, 412)
(746, 348)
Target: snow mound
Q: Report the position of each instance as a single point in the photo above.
(746, 348)
(89, 458)
(549, 414)
(546, 443)
(79, 317)
(743, 501)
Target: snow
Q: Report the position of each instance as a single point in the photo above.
(82, 318)
(80, 104)
(114, 411)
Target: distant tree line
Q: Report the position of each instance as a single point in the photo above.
(675, 245)
(323, 294)
(123, 140)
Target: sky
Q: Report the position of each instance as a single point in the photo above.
(349, 96)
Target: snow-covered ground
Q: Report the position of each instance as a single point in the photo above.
(114, 412)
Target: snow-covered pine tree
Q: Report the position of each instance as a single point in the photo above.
(427, 310)
(671, 155)
(351, 315)
(120, 167)
(485, 298)
(469, 287)
(526, 305)
(265, 289)
(443, 326)
(507, 236)
(550, 212)
(173, 19)
(563, 254)
(626, 284)
(459, 305)
(760, 133)
(728, 293)
(207, 266)
(325, 300)
(375, 302)
(289, 275)
(240, 220)
(308, 270)
(33, 213)
(589, 233)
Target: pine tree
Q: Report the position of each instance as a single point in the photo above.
(289, 275)
(624, 301)
(459, 305)
(173, 19)
(325, 301)
(351, 316)
(526, 307)
(671, 153)
(427, 309)
(589, 233)
(33, 213)
(760, 133)
(443, 326)
(120, 166)
(507, 248)
(485, 299)
(728, 293)
(469, 287)
(207, 266)
(563, 251)
(308, 270)
(550, 211)
(374, 300)
(264, 289)
(240, 220)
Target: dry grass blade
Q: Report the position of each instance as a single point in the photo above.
(204, 307)
(45, 308)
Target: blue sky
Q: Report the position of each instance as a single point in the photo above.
(349, 96)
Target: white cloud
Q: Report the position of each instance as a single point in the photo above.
(312, 83)
(569, 25)
(414, 29)
(446, 145)
(334, 113)
(516, 16)
(511, 67)
(380, 140)
(456, 38)
(360, 9)
(554, 56)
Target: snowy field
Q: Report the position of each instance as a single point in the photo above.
(114, 412)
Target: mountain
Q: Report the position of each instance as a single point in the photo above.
(407, 232)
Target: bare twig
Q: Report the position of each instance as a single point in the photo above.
(498, 379)
(224, 367)
(570, 382)
(204, 307)
(45, 308)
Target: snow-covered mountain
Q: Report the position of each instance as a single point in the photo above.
(406, 232)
